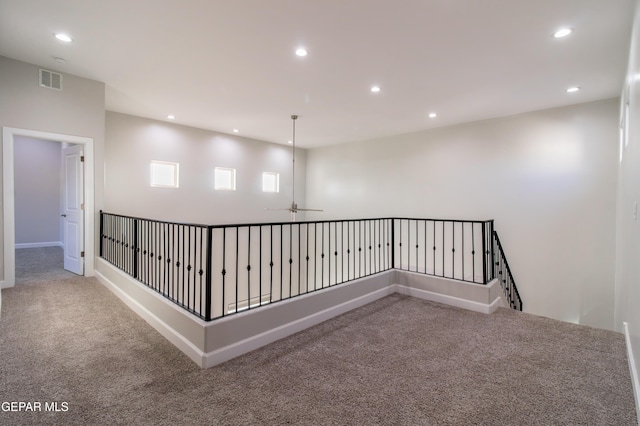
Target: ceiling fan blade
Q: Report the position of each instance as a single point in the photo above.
(294, 210)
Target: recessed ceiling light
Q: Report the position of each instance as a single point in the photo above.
(563, 32)
(171, 117)
(235, 130)
(301, 51)
(63, 37)
(375, 89)
(433, 115)
(573, 89)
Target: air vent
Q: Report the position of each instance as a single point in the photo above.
(50, 79)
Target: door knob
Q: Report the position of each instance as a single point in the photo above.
(63, 215)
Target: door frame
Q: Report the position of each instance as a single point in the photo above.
(8, 197)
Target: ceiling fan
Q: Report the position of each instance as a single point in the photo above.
(294, 206)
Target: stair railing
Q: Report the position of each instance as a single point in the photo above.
(502, 272)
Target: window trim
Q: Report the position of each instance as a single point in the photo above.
(277, 182)
(176, 174)
(233, 179)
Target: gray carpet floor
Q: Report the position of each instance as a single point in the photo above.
(399, 360)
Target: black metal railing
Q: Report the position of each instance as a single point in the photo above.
(502, 272)
(170, 258)
(214, 271)
(456, 249)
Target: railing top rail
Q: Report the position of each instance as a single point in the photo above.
(255, 224)
(444, 220)
(300, 222)
(155, 220)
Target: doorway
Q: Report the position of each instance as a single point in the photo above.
(87, 194)
(48, 202)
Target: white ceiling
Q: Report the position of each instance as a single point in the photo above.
(221, 65)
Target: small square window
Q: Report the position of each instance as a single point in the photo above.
(164, 174)
(225, 179)
(270, 182)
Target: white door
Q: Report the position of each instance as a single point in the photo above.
(73, 211)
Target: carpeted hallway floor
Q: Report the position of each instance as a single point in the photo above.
(399, 360)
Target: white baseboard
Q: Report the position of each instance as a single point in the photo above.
(4, 284)
(254, 342)
(635, 380)
(293, 321)
(37, 245)
(449, 300)
(162, 327)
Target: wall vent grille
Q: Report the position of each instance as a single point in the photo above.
(50, 79)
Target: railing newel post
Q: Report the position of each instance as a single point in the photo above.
(100, 249)
(484, 254)
(135, 249)
(393, 243)
(492, 238)
(208, 274)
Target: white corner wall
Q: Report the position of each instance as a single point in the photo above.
(628, 224)
(132, 142)
(548, 178)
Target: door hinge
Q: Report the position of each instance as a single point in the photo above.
(81, 254)
(82, 206)
(82, 158)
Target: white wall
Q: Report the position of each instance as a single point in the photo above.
(78, 110)
(548, 178)
(132, 142)
(628, 229)
(37, 177)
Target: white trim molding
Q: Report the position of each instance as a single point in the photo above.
(177, 339)
(8, 197)
(39, 245)
(244, 346)
(211, 343)
(635, 380)
(446, 299)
